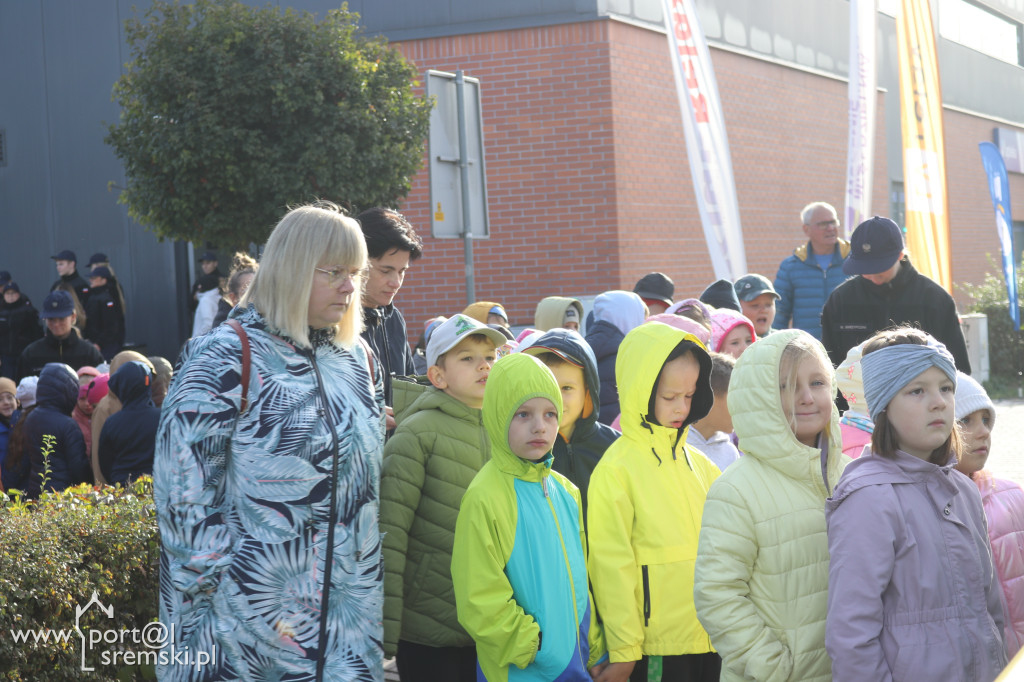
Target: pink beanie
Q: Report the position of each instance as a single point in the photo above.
(723, 321)
(684, 323)
(95, 389)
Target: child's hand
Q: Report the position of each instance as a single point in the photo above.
(389, 418)
(612, 672)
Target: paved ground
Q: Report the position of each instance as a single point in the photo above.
(1007, 458)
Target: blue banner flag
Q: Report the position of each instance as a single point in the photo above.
(999, 187)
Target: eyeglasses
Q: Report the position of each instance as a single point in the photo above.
(826, 224)
(336, 275)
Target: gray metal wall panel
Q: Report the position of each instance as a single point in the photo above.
(25, 216)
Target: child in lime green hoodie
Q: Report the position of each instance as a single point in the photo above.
(519, 561)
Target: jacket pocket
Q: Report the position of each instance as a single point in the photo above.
(647, 594)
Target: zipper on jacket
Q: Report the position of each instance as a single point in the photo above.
(647, 596)
(332, 520)
(568, 569)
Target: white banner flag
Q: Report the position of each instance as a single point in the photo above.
(706, 144)
(860, 159)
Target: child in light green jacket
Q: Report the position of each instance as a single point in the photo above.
(761, 579)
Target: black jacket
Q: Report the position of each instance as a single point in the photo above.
(857, 309)
(77, 283)
(104, 320)
(224, 309)
(604, 339)
(56, 395)
(128, 437)
(19, 326)
(385, 332)
(204, 283)
(72, 351)
(577, 458)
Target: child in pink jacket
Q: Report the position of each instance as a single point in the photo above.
(1003, 502)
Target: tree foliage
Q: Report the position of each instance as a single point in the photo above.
(231, 113)
(1005, 344)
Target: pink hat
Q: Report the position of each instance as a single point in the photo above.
(95, 389)
(526, 332)
(684, 323)
(723, 321)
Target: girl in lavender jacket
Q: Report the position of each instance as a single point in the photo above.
(912, 591)
(1003, 502)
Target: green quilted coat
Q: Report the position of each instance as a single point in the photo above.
(436, 450)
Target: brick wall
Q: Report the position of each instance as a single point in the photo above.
(588, 181)
(550, 167)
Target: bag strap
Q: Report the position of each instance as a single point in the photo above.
(369, 360)
(246, 362)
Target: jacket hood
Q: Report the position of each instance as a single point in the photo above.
(623, 309)
(132, 384)
(514, 379)
(57, 388)
(723, 321)
(872, 469)
(804, 250)
(128, 356)
(551, 312)
(641, 356)
(573, 347)
(762, 428)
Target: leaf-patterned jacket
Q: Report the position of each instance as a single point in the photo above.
(243, 503)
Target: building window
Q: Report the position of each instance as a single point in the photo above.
(897, 204)
(980, 29)
(1018, 242)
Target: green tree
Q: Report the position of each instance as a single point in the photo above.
(231, 113)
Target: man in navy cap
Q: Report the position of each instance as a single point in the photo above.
(887, 291)
(209, 280)
(61, 343)
(67, 268)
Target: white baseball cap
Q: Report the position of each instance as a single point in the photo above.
(453, 330)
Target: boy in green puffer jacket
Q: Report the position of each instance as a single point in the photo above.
(437, 448)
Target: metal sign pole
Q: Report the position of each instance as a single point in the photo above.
(467, 232)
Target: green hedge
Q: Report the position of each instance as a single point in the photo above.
(1005, 346)
(54, 553)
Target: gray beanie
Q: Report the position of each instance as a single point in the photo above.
(971, 397)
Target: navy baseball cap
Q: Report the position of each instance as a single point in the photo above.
(65, 255)
(749, 287)
(207, 255)
(875, 246)
(97, 258)
(57, 304)
(101, 271)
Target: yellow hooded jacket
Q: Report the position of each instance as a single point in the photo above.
(646, 499)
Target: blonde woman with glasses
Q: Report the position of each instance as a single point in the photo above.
(267, 472)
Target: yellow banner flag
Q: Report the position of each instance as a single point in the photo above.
(924, 156)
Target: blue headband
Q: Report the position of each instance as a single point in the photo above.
(889, 369)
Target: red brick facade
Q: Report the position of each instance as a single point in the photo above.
(588, 181)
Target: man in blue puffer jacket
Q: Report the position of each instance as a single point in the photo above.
(128, 438)
(806, 278)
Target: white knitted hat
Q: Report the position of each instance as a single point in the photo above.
(971, 397)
